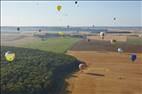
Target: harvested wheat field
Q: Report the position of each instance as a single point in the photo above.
(108, 71)
(109, 37)
(105, 45)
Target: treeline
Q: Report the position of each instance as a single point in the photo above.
(34, 71)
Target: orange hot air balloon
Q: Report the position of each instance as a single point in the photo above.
(59, 7)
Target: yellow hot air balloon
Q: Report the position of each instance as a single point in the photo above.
(61, 33)
(9, 56)
(59, 7)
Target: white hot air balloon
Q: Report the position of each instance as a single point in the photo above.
(82, 66)
(102, 34)
(120, 50)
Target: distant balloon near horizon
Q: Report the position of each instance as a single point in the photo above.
(59, 7)
(133, 57)
(39, 30)
(61, 33)
(9, 56)
(18, 28)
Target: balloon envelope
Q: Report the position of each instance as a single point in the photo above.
(133, 56)
(75, 2)
(82, 66)
(9, 56)
(119, 50)
(59, 7)
(113, 41)
(61, 33)
(18, 28)
(114, 18)
(102, 33)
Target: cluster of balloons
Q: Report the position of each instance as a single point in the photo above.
(133, 56)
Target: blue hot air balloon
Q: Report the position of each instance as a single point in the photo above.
(133, 57)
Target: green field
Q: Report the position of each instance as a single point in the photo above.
(57, 45)
(134, 40)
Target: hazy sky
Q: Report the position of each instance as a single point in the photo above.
(85, 13)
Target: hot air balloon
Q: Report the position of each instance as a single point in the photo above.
(61, 33)
(82, 66)
(59, 7)
(9, 56)
(133, 57)
(18, 28)
(120, 50)
(75, 2)
(113, 41)
(39, 30)
(114, 18)
(102, 34)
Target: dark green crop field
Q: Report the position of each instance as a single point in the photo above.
(35, 71)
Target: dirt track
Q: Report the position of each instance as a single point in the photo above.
(107, 73)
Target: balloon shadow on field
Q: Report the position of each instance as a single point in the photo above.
(95, 74)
